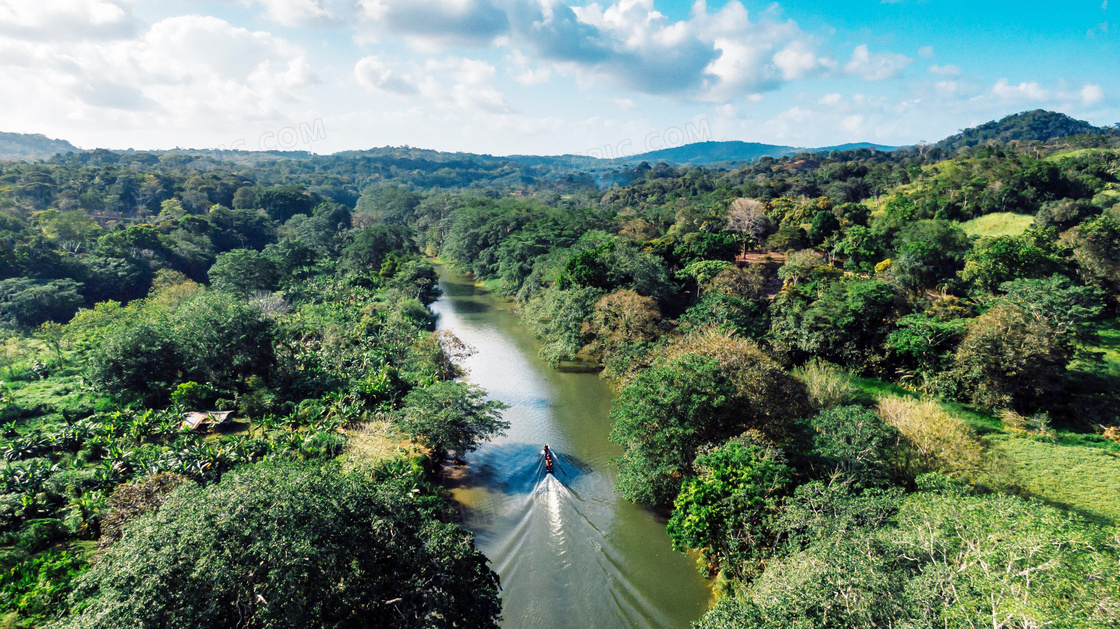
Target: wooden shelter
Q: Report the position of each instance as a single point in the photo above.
(195, 419)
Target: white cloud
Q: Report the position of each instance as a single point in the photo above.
(875, 67)
(714, 55)
(945, 70)
(1092, 94)
(189, 75)
(830, 100)
(625, 104)
(471, 86)
(926, 52)
(798, 60)
(947, 89)
(295, 12)
(523, 71)
(373, 74)
(1023, 91)
(67, 19)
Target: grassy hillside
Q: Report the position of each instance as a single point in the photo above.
(998, 224)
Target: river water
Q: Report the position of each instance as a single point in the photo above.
(569, 551)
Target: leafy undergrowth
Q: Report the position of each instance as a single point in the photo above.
(998, 224)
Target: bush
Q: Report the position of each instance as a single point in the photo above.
(38, 588)
(132, 500)
(939, 440)
(828, 386)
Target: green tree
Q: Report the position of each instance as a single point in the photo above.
(373, 245)
(855, 445)
(54, 335)
(846, 324)
(1009, 358)
(451, 415)
(30, 303)
(726, 509)
(699, 390)
(993, 261)
(243, 271)
(288, 545)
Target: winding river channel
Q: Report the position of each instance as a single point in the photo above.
(569, 551)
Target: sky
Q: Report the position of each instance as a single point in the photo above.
(608, 79)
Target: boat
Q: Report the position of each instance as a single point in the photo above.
(549, 461)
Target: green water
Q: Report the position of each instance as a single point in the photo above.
(569, 551)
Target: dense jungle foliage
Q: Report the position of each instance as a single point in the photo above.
(869, 388)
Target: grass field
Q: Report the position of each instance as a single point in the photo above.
(999, 224)
(1080, 478)
(1072, 469)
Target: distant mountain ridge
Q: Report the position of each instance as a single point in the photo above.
(31, 146)
(736, 152)
(1038, 125)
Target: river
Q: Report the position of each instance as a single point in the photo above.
(570, 552)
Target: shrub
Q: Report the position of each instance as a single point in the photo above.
(828, 386)
(940, 441)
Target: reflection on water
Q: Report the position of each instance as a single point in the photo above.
(569, 551)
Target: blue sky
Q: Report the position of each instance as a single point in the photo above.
(605, 78)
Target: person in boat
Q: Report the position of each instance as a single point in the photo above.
(548, 460)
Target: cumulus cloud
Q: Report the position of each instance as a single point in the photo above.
(1031, 91)
(1092, 94)
(945, 70)
(191, 73)
(67, 19)
(875, 67)
(713, 55)
(295, 12)
(374, 74)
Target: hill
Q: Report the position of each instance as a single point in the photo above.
(31, 146)
(713, 152)
(1029, 126)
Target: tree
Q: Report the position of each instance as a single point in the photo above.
(661, 418)
(855, 444)
(1058, 303)
(137, 358)
(728, 314)
(862, 248)
(747, 217)
(373, 245)
(726, 509)
(1009, 358)
(622, 319)
(929, 251)
(451, 415)
(1097, 249)
(846, 324)
(993, 261)
(284, 202)
(222, 340)
(244, 271)
(30, 303)
(699, 389)
(291, 545)
(54, 335)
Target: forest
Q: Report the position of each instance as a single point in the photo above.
(863, 388)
